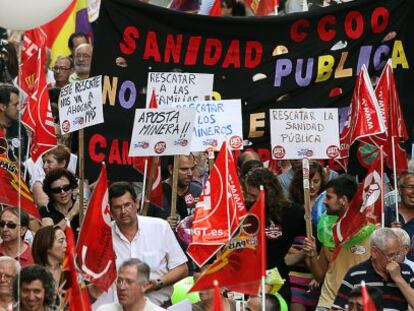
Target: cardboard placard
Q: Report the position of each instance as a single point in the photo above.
(161, 132)
(80, 104)
(304, 133)
(216, 121)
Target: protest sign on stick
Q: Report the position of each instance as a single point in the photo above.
(304, 133)
(161, 132)
(216, 122)
(80, 106)
(174, 87)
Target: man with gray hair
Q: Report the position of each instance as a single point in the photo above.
(382, 271)
(83, 61)
(405, 244)
(405, 209)
(9, 268)
(132, 282)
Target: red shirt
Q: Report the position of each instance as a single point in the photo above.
(25, 258)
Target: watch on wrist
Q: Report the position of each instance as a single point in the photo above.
(160, 283)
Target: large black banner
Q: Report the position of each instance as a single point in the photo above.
(299, 60)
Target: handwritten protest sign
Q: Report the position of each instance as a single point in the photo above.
(174, 87)
(80, 104)
(216, 121)
(160, 132)
(304, 133)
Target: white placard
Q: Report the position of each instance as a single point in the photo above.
(184, 305)
(216, 121)
(304, 133)
(161, 132)
(174, 87)
(80, 104)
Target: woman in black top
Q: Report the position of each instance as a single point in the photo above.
(61, 187)
(284, 220)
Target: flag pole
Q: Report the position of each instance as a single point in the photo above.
(227, 190)
(394, 167)
(306, 196)
(263, 243)
(149, 185)
(81, 154)
(144, 183)
(174, 183)
(382, 187)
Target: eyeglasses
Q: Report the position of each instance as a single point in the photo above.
(408, 188)
(122, 282)
(6, 277)
(127, 206)
(64, 188)
(394, 256)
(84, 56)
(57, 68)
(10, 225)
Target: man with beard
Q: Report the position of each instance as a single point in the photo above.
(187, 191)
(405, 210)
(339, 194)
(82, 60)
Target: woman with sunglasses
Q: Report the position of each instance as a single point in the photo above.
(61, 187)
(48, 250)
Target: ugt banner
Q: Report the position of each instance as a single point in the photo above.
(302, 60)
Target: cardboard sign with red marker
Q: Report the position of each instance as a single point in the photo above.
(216, 121)
(161, 132)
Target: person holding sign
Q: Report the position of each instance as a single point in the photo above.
(284, 220)
(339, 194)
(187, 191)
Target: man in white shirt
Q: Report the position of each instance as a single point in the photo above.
(148, 239)
(132, 282)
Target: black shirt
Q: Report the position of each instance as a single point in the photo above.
(51, 212)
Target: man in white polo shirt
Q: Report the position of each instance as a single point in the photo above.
(148, 239)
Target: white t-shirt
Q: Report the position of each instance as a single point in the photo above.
(156, 245)
(115, 306)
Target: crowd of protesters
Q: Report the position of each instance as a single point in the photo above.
(151, 258)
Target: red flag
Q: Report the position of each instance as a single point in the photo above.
(218, 211)
(389, 102)
(97, 256)
(242, 262)
(217, 301)
(76, 292)
(9, 183)
(38, 116)
(157, 195)
(216, 8)
(366, 299)
(364, 115)
(365, 208)
(262, 7)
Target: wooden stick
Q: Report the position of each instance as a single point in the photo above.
(210, 159)
(306, 196)
(150, 183)
(174, 184)
(81, 154)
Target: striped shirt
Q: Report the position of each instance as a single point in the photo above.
(393, 299)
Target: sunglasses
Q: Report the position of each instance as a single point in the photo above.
(9, 225)
(64, 188)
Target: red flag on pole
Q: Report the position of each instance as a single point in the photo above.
(365, 208)
(218, 211)
(76, 292)
(389, 102)
(217, 301)
(38, 116)
(242, 263)
(156, 196)
(364, 116)
(96, 253)
(216, 8)
(366, 299)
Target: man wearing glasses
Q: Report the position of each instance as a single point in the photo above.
(147, 238)
(82, 60)
(382, 271)
(12, 233)
(405, 209)
(62, 70)
(9, 268)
